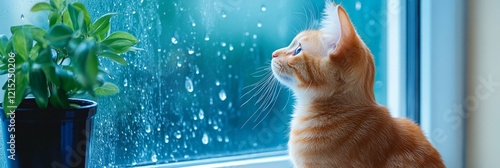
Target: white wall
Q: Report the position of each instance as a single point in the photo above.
(483, 134)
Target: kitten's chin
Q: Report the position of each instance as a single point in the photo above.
(285, 80)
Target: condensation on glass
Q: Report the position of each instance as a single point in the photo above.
(181, 97)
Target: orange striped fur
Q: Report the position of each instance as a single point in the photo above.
(336, 122)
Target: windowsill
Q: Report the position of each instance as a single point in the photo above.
(260, 160)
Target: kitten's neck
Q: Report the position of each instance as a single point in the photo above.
(338, 99)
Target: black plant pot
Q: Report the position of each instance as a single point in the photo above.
(49, 137)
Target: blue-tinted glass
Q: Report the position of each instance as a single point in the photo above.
(181, 98)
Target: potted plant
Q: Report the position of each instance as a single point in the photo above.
(43, 126)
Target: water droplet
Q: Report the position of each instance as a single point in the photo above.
(263, 8)
(222, 95)
(142, 1)
(254, 36)
(148, 128)
(22, 16)
(179, 64)
(149, 27)
(189, 84)
(174, 41)
(190, 52)
(133, 12)
(358, 5)
(259, 24)
(201, 114)
(197, 70)
(216, 127)
(223, 44)
(125, 83)
(193, 24)
(231, 48)
(204, 139)
(226, 139)
(166, 139)
(153, 158)
(178, 134)
(224, 15)
(217, 83)
(207, 38)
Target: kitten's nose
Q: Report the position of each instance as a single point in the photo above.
(275, 54)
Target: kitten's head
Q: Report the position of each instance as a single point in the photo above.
(327, 62)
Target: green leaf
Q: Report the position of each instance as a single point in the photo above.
(34, 51)
(50, 73)
(23, 41)
(120, 42)
(58, 98)
(76, 17)
(86, 15)
(115, 57)
(59, 35)
(101, 26)
(67, 80)
(4, 41)
(38, 34)
(12, 98)
(38, 84)
(57, 4)
(67, 20)
(44, 56)
(107, 89)
(85, 64)
(54, 18)
(41, 6)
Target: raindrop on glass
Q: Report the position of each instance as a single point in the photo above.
(201, 114)
(174, 41)
(207, 38)
(217, 83)
(254, 36)
(125, 83)
(197, 70)
(231, 48)
(358, 5)
(204, 139)
(193, 24)
(22, 16)
(178, 134)
(223, 44)
(222, 95)
(189, 84)
(190, 52)
(263, 8)
(148, 128)
(166, 139)
(259, 24)
(153, 158)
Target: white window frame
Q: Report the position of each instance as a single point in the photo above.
(443, 77)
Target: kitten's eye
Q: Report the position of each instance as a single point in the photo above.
(298, 50)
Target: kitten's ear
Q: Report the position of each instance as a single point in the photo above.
(336, 27)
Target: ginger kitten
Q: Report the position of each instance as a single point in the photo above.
(336, 122)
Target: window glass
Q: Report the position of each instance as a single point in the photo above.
(182, 96)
